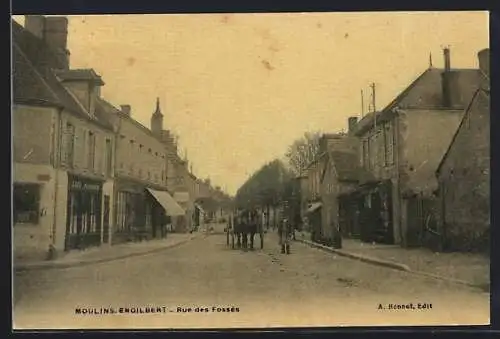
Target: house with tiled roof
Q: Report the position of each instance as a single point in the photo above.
(464, 175)
(401, 147)
(63, 145)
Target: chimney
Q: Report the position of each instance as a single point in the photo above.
(446, 79)
(56, 36)
(125, 109)
(484, 61)
(35, 24)
(352, 122)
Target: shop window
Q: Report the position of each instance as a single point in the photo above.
(26, 203)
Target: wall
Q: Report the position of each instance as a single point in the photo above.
(81, 151)
(82, 91)
(31, 147)
(465, 180)
(331, 188)
(135, 161)
(426, 135)
(33, 240)
(313, 177)
(108, 189)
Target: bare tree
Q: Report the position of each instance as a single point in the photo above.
(302, 152)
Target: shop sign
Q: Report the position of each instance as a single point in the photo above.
(86, 186)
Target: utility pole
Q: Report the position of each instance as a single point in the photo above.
(362, 105)
(373, 97)
(374, 107)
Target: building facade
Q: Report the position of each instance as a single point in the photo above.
(401, 146)
(464, 176)
(63, 145)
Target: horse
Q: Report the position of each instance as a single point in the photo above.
(243, 230)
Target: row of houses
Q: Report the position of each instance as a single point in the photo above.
(85, 172)
(415, 173)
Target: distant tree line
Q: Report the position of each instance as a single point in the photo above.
(277, 181)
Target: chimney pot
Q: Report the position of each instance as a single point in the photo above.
(484, 61)
(126, 109)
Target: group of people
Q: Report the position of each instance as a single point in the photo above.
(246, 223)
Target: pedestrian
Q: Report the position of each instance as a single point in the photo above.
(284, 230)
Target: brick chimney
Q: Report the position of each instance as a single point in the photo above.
(54, 31)
(352, 122)
(35, 24)
(484, 61)
(126, 109)
(449, 82)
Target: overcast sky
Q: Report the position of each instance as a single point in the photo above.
(239, 88)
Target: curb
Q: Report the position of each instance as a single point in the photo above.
(63, 265)
(369, 260)
(393, 265)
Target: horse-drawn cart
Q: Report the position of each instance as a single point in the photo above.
(242, 228)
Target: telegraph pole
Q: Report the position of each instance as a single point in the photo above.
(362, 105)
(374, 107)
(373, 96)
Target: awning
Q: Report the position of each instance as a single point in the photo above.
(171, 207)
(313, 207)
(199, 208)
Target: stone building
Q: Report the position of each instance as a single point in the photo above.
(464, 175)
(63, 145)
(401, 147)
(141, 196)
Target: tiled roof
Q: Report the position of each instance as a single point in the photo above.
(425, 92)
(28, 84)
(33, 75)
(482, 94)
(347, 167)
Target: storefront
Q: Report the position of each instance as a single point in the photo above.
(367, 213)
(83, 224)
(135, 212)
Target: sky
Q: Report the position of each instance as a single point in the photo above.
(239, 88)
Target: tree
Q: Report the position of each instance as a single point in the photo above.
(302, 152)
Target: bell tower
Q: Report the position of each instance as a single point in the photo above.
(157, 120)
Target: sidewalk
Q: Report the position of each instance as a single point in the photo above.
(109, 253)
(463, 268)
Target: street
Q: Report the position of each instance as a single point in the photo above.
(240, 289)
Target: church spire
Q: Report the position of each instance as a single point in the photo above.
(430, 60)
(157, 120)
(158, 110)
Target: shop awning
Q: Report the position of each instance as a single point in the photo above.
(199, 208)
(313, 207)
(172, 208)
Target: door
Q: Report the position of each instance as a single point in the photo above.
(105, 225)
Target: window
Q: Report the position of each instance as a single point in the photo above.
(388, 145)
(109, 157)
(91, 151)
(26, 203)
(69, 145)
(366, 153)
